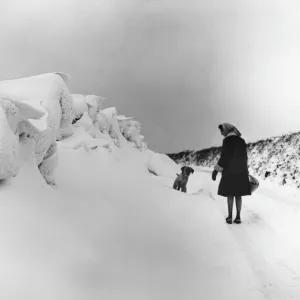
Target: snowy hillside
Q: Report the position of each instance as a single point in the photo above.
(275, 159)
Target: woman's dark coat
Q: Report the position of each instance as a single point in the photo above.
(234, 161)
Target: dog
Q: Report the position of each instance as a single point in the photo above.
(182, 179)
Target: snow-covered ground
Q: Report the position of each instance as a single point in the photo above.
(112, 230)
(268, 235)
(108, 228)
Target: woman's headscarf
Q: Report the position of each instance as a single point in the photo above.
(229, 128)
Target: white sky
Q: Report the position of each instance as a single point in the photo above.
(179, 66)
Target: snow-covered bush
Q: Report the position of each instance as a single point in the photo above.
(50, 93)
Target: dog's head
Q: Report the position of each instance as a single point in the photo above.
(187, 170)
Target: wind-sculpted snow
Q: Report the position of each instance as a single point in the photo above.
(88, 115)
(113, 126)
(106, 124)
(42, 108)
(50, 93)
(131, 130)
(14, 115)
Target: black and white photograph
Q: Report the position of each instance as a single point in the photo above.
(149, 150)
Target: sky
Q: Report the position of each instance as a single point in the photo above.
(181, 67)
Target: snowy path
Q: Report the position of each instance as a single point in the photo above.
(269, 238)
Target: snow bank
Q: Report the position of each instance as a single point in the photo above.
(14, 114)
(162, 165)
(61, 115)
(81, 138)
(79, 104)
(48, 90)
(106, 123)
(111, 231)
(49, 94)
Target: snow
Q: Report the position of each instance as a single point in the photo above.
(121, 118)
(80, 105)
(110, 230)
(113, 228)
(48, 91)
(268, 235)
(8, 148)
(44, 110)
(113, 126)
(162, 165)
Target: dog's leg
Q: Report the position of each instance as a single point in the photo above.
(183, 188)
(176, 185)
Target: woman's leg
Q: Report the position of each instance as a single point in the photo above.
(238, 203)
(230, 205)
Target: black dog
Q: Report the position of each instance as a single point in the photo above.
(182, 179)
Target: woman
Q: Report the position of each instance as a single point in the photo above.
(233, 164)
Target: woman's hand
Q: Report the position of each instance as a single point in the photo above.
(214, 175)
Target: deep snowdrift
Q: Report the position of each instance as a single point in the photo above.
(111, 230)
